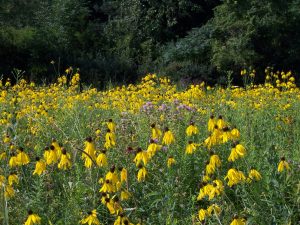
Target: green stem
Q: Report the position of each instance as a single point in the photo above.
(5, 221)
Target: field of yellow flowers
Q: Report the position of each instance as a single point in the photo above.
(150, 153)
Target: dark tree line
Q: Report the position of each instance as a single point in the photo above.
(119, 40)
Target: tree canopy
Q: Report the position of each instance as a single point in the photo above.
(119, 40)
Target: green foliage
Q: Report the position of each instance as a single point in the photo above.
(119, 40)
(240, 34)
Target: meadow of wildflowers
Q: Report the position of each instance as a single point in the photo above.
(150, 153)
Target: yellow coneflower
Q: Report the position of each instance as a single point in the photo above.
(190, 148)
(214, 208)
(221, 123)
(57, 148)
(141, 156)
(32, 219)
(216, 136)
(202, 214)
(110, 139)
(123, 174)
(101, 159)
(215, 160)
(233, 155)
(50, 155)
(168, 137)
(40, 166)
(91, 218)
(205, 190)
(171, 161)
(22, 157)
(9, 191)
(238, 151)
(12, 146)
(6, 139)
(111, 125)
(142, 173)
(2, 155)
(13, 161)
(235, 133)
(98, 132)
(283, 164)
(206, 178)
(104, 195)
(210, 168)
(89, 153)
(107, 187)
(13, 178)
(254, 175)
(122, 220)
(217, 189)
(226, 134)
(2, 180)
(153, 148)
(112, 175)
(211, 123)
(208, 142)
(191, 129)
(234, 177)
(238, 221)
(109, 203)
(116, 205)
(65, 162)
(46, 153)
(156, 133)
(88, 162)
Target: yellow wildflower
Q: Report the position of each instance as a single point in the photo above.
(13, 178)
(254, 175)
(40, 166)
(202, 214)
(215, 160)
(168, 137)
(141, 156)
(89, 154)
(2, 180)
(156, 133)
(190, 148)
(22, 157)
(220, 122)
(91, 218)
(107, 187)
(112, 175)
(141, 173)
(235, 133)
(111, 125)
(13, 161)
(9, 191)
(32, 219)
(65, 161)
(283, 165)
(152, 148)
(110, 139)
(234, 177)
(191, 129)
(171, 161)
(123, 174)
(101, 159)
(57, 148)
(211, 123)
(238, 221)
